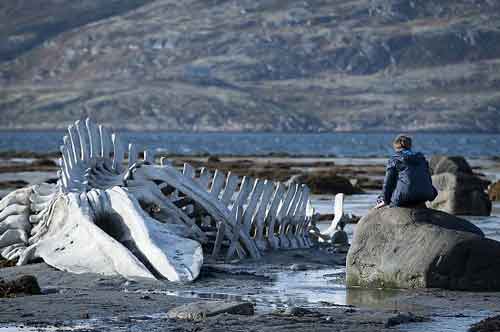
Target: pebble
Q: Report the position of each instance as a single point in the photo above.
(298, 267)
(403, 318)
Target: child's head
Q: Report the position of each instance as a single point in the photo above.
(402, 142)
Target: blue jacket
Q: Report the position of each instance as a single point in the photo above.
(407, 180)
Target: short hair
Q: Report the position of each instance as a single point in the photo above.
(402, 142)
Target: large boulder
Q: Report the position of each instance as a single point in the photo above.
(460, 191)
(460, 194)
(326, 182)
(449, 164)
(421, 248)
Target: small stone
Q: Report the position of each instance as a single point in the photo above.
(298, 311)
(489, 324)
(298, 267)
(403, 318)
(128, 283)
(340, 238)
(50, 290)
(201, 310)
(145, 297)
(23, 285)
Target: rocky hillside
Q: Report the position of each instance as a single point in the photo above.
(284, 65)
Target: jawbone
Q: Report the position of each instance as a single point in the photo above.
(165, 253)
(110, 234)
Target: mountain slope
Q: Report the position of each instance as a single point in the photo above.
(279, 65)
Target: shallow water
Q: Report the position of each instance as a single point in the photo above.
(448, 323)
(311, 288)
(325, 144)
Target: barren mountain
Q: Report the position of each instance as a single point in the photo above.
(274, 65)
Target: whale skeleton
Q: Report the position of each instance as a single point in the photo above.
(115, 211)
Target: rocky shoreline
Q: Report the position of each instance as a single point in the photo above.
(300, 290)
(89, 302)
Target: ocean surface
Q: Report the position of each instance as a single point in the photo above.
(325, 144)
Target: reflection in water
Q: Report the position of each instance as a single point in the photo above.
(313, 288)
(447, 323)
(375, 298)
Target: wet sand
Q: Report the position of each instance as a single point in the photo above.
(91, 302)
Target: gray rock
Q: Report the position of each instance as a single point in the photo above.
(201, 310)
(460, 190)
(26, 284)
(340, 238)
(421, 248)
(490, 324)
(298, 267)
(403, 318)
(461, 194)
(299, 312)
(449, 164)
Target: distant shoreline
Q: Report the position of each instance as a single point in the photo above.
(320, 132)
(248, 144)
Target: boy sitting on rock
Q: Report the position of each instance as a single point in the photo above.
(407, 180)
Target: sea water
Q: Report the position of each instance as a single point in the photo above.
(309, 144)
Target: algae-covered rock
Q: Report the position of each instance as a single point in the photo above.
(325, 182)
(26, 284)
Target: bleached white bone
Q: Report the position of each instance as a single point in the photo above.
(148, 192)
(173, 257)
(73, 234)
(4, 252)
(94, 139)
(118, 153)
(191, 188)
(13, 209)
(231, 184)
(252, 204)
(338, 214)
(12, 236)
(259, 219)
(19, 196)
(83, 139)
(205, 176)
(16, 222)
(39, 199)
(272, 216)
